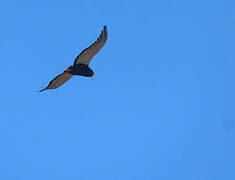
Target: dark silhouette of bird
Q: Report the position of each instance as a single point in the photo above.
(81, 63)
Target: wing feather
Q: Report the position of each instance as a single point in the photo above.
(87, 54)
(58, 81)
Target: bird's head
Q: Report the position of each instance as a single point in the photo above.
(91, 73)
(68, 69)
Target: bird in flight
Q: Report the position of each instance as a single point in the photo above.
(80, 66)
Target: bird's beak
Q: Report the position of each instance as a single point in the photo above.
(92, 76)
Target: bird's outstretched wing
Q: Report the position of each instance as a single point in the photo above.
(87, 54)
(58, 81)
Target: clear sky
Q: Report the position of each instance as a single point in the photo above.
(161, 105)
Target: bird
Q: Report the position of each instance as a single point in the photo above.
(80, 66)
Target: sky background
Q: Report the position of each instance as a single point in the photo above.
(161, 105)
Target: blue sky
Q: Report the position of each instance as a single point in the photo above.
(161, 105)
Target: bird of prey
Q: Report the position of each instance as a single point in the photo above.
(80, 66)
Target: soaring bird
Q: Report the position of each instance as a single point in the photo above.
(80, 66)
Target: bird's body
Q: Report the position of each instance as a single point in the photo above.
(81, 63)
(80, 70)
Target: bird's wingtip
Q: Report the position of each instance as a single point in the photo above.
(42, 90)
